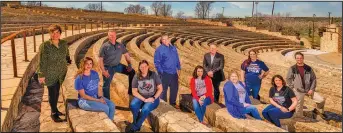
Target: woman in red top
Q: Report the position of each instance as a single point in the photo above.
(201, 87)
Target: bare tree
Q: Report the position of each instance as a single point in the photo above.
(94, 6)
(180, 15)
(165, 10)
(288, 14)
(202, 9)
(35, 3)
(135, 9)
(156, 7)
(219, 16)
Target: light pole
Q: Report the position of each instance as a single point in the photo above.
(329, 18)
(256, 13)
(314, 15)
(223, 12)
(253, 5)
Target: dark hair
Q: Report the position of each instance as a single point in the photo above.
(139, 73)
(279, 77)
(54, 27)
(195, 75)
(247, 62)
(298, 53)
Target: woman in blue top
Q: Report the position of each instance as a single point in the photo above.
(237, 101)
(87, 85)
(253, 71)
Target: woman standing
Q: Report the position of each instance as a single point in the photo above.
(87, 85)
(201, 88)
(283, 101)
(146, 89)
(52, 67)
(252, 73)
(237, 101)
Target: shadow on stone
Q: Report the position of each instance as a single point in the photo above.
(29, 109)
(123, 108)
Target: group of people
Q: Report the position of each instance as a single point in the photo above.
(147, 87)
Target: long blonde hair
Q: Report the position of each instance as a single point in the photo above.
(81, 70)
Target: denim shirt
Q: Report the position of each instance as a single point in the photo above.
(166, 59)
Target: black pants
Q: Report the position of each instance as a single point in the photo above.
(54, 92)
(216, 83)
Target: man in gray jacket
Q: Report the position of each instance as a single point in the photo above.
(302, 79)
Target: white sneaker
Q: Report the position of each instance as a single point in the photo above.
(285, 127)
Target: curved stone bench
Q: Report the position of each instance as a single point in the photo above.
(237, 44)
(217, 116)
(259, 48)
(270, 44)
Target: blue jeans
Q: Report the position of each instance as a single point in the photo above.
(200, 110)
(170, 80)
(112, 70)
(108, 108)
(139, 116)
(255, 87)
(253, 111)
(274, 114)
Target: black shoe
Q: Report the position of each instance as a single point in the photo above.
(132, 131)
(59, 113)
(56, 118)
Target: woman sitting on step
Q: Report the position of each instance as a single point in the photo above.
(202, 92)
(237, 100)
(87, 84)
(283, 101)
(146, 89)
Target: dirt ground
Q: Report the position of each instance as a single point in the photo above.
(334, 58)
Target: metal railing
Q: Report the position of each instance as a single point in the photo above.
(42, 29)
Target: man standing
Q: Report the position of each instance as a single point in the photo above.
(302, 79)
(109, 61)
(214, 65)
(167, 63)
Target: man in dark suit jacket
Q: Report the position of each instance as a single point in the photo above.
(214, 65)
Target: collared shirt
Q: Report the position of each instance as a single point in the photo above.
(52, 62)
(166, 59)
(212, 57)
(112, 53)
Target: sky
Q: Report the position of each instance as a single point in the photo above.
(231, 9)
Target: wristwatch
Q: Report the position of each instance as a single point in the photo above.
(154, 97)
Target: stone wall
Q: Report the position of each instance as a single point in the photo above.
(329, 42)
(207, 22)
(339, 40)
(238, 25)
(12, 111)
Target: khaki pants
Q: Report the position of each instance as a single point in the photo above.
(320, 102)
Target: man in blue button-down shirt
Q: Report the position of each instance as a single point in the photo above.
(168, 66)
